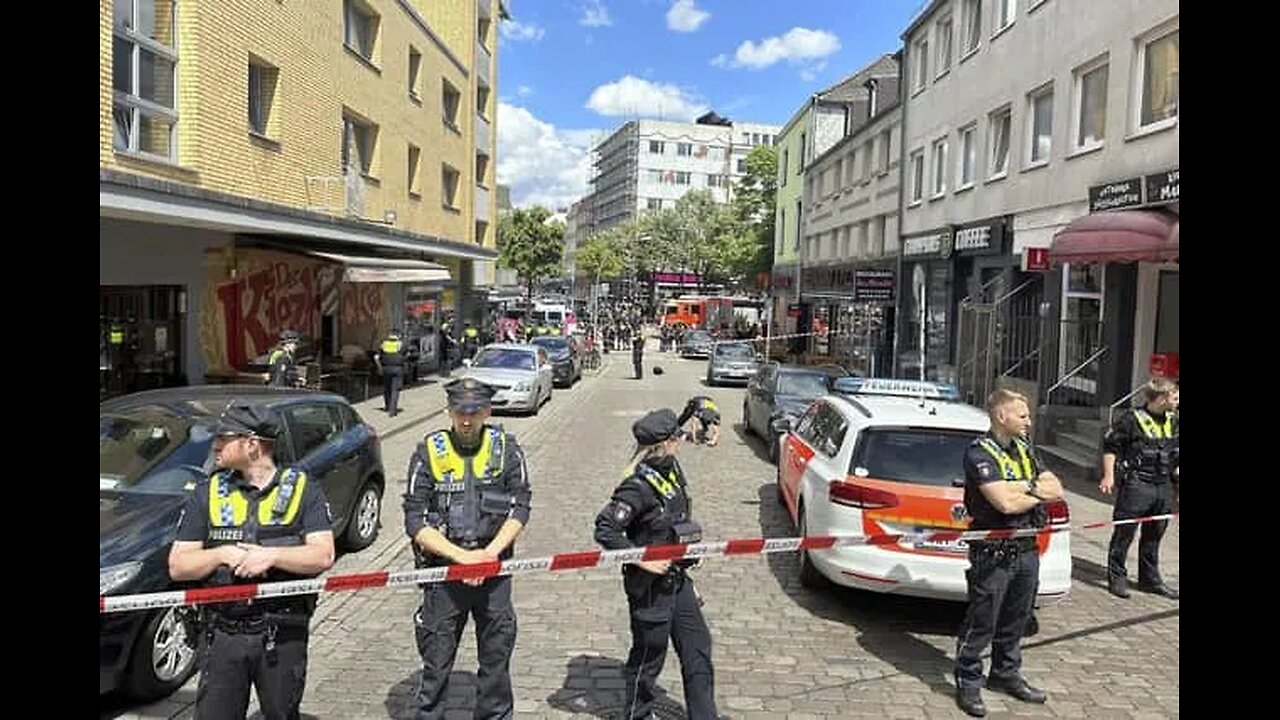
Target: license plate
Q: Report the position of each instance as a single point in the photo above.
(954, 546)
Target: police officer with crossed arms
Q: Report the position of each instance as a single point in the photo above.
(468, 500)
(1004, 487)
(253, 522)
(1143, 446)
(652, 507)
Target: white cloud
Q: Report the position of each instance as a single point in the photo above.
(594, 14)
(799, 45)
(635, 96)
(524, 91)
(720, 60)
(685, 17)
(517, 31)
(810, 73)
(543, 165)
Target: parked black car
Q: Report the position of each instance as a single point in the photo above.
(778, 391)
(566, 358)
(697, 343)
(154, 447)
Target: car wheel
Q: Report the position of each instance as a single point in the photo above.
(773, 441)
(809, 575)
(362, 526)
(746, 419)
(162, 660)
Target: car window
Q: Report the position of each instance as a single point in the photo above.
(802, 384)
(350, 418)
(312, 426)
(505, 358)
(829, 427)
(148, 453)
(921, 456)
(806, 429)
(734, 351)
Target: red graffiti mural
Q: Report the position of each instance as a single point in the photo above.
(280, 296)
(361, 304)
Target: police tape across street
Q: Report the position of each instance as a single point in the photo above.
(566, 561)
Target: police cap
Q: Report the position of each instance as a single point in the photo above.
(469, 395)
(241, 418)
(657, 426)
(290, 336)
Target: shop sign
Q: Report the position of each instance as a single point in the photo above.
(1035, 259)
(936, 244)
(873, 286)
(1162, 187)
(827, 278)
(1116, 195)
(984, 238)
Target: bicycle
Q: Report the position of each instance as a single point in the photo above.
(592, 360)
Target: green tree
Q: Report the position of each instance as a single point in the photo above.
(599, 257)
(530, 245)
(755, 205)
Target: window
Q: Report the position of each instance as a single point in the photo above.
(717, 181)
(838, 174)
(415, 185)
(452, 100)
(144, 78)
(1158, 68)
(1000, 124)
(653, 176)
(882, 230)
(742, 165)
(482, 170)
(851, 168)
(359, 28)
(311, 426)
(804, 146)
(1090, 117)
(917, 176)
(1005, 13)
(885, 138)
(482, 100)
(359, 137)
(684, 149)
(971, 16)
(653, 204)
(917, 456)
(782, 228)
(939, 167)
(922, 63)
(415, 64)
(868, 157)
(943, 41)
(683, 178)
(845, 250)
(968, 156)
(655, 147)
(262, 93)
(1040, 126)
(784, 165)
(449, 186)
(799, 212)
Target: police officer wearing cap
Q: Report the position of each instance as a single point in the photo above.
(470, 341)
(1143, 445)
(467, 502)
(253, 522)
(708, 415)
(1004, 488)
(652, 507)
(391, 364)
(283, 370)
(637, 353)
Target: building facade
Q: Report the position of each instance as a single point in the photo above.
(1041, 134)
(297, 167)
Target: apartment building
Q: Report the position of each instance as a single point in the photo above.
(308, 166)
(1040, 206)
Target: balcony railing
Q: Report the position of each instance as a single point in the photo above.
(482, 134)
(485, 9)
(483, 62)
(482, 204)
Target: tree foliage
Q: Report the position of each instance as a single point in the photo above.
(530, 245)
(755, 204)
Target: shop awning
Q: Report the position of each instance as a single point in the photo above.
(1121, 236)
(359, 268)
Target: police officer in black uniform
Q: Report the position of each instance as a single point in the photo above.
(637, 353)
(1004, 488)
(271, 524)
(1143, 444)
(470, 341)
(468, 500)
(704, 409)
(283, 370)
(652, 507)
(391, 364)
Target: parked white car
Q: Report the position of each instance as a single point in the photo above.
(522, 375)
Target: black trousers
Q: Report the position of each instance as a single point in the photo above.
(1002, 593)
(438, 625)
(234, 661)
(391, 384)
(665, 608)
(1135, 498)
(637, 364)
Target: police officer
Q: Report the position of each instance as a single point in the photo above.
(468, 500)
(470, 341)
(283, 370)
(253, 522)
(1004, 488)
(391, 364)
(1144, 444)
(704, 409)
(652, 507)
(637, 353)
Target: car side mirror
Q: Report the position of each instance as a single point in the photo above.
(781, 425)
(957, 482)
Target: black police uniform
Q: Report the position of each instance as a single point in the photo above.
(283, 370)
(637, 355)
(703, 408)
(391, 359)
(469, 505)
(263, 643)
(1003, 575)
(652, 507)
(1146, 448)
(470, 342)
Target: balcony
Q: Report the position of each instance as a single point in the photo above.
(484, 61)
(482, 135)
(485, 9)
(482, 204)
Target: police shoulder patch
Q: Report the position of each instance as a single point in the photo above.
(621, 511)
(985, 470)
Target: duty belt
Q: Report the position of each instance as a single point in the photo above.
(1019, 543)
(254, 624)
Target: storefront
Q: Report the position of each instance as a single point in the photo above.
(851, 307)
(926, 307)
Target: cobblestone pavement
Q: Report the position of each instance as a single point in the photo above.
(781, 651)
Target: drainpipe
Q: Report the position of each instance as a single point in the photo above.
(902, 199)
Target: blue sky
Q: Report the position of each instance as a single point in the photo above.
(570, 71)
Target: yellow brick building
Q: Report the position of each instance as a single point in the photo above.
(340, 142)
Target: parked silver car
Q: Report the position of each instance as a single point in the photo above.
(731, 362)
(522, 375)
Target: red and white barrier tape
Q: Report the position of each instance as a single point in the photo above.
(563, 561)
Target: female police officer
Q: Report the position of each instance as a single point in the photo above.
(652, 507)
